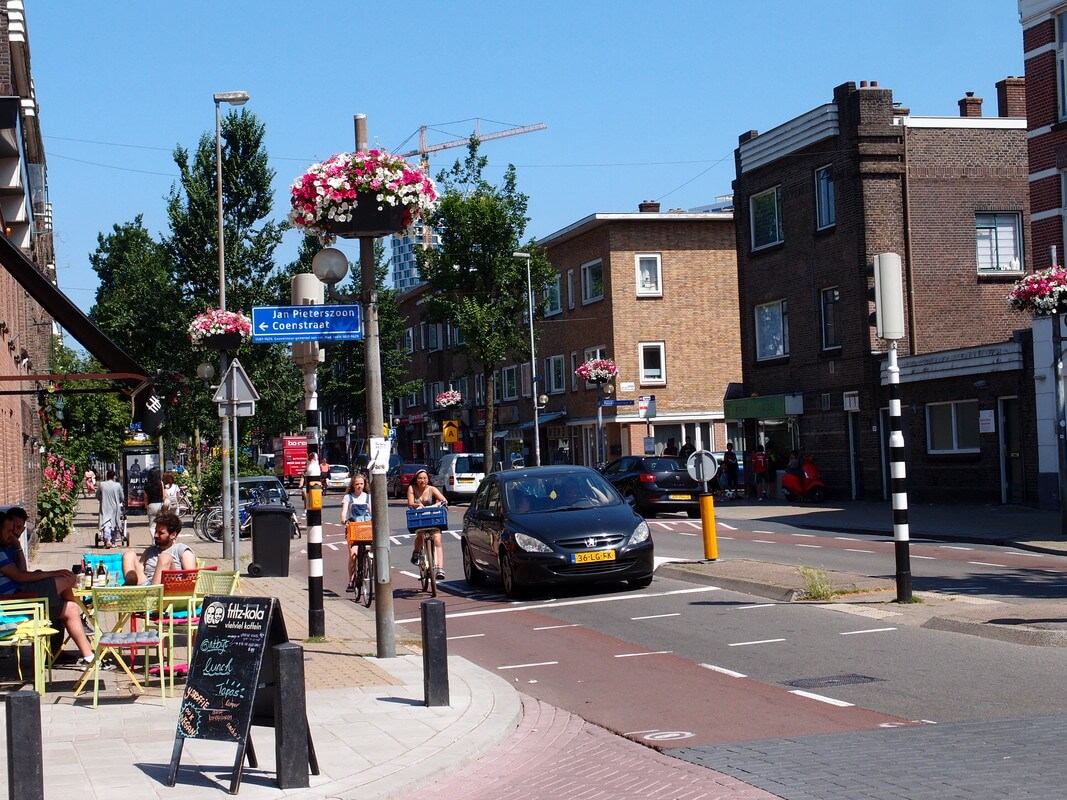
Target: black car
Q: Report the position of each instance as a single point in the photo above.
(655, 484)
(552, 525)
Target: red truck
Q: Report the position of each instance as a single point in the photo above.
(290, 458)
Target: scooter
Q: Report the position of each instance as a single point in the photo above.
(806, 486)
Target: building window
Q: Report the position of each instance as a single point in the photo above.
(553, 297)
(510, 383)
(433, 336)
(574, 373)
(1061, 63)
(999, 242)
(463, 384)
(824, 198)
(479, 390)
(649, 280)
(554, 374)
(570, 289)
(952, 427)
(409, 340)
(772, 331)
(653, 363)
(765, 216)
(831, 334)
(435, 389)
(592, 281)
(412, 400)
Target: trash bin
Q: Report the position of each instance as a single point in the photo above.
(272, 527)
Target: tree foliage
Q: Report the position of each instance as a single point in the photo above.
(475, 281)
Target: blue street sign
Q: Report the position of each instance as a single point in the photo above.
(306, 324)
(613, 402)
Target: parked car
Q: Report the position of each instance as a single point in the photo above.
(553, 525)
(398, 478)
(655, 484)
(269, 488)
(339, 477)
(459, 475)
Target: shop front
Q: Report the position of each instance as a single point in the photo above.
(773, 421)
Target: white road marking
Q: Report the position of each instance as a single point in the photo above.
(331, 545)
(762, 541)
(561, 604)
(771, 533)
(857, 550)
(859, 611)
(557, 627)
(456, 534)
(523, 666)
(653, 653)
(924, 558)
(394, 540)
(467, 636)
(816, 546)
(684, 533)
(820, 698)
(954, 547)
(728, 527)
(659, 616)
(985, 564)
(808, 535)
(757, 605)
(868, 630)
(848, 539)
(726, 538)
(409, 574)
(760, 641)
(1024, 553)
(723, 670)
(659, 561)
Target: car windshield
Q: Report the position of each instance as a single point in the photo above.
(270, 490)
(565, 492)
(342, 471)
(664, 465)
(468, 464)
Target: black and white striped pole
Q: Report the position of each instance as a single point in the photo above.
(889, 308)
(308, 290)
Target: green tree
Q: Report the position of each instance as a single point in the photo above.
(475, 281)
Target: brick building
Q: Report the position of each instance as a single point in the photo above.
(817, 198)
(655, 291)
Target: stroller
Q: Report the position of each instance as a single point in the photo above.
(120, 536)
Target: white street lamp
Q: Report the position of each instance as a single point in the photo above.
(230, 527)
(533, 359)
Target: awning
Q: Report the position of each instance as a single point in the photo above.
(68, 315)
(773, 406)
(541, 420)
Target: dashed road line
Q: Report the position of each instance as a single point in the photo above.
(762, 541)
(857, 550)
(653, 653)
(820, 698)
(658, 616)
(985, 564)
(723, 671)
(557, 627)
(728, 527)
(758, 641)
(954, 547)
(848, 539)
(524, 666)
(466, 636)
(767, 533)
(868, 630)
(816, 546)
(806, 535)
(924, 558)
(756, 605)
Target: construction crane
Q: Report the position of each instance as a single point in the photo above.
(424, 150)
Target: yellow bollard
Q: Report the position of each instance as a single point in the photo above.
(707, 523)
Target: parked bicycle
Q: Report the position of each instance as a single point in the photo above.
(209, 524)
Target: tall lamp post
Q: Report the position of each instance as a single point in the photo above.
(230, 529)
(604, 390)
(519, 256)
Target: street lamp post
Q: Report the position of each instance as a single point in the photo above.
(229, 509)
(604, 390)
(533, 359)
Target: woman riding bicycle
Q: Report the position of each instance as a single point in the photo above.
(355, 508)
(420, 495)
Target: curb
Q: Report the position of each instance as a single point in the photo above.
(782, 594)
(1013, 634)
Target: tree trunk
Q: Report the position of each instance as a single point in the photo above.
(490, 403)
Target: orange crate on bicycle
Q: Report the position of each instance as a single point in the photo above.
(359, 532)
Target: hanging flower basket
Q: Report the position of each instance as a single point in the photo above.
(1042, 294)
(368, 193)
(597, 370)
(449, 399)
(219, 330)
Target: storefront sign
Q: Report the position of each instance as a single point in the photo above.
(986, 421)
(769, 407)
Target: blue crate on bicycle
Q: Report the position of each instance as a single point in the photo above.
(433, 517)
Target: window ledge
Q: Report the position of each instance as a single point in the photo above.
(592, 300)
(654, 295)
(763, 248)
(760, 362)
(832, 350)
(1003, 274)
(826, 229)
(652, 383)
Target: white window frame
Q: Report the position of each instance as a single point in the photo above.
(463, 385)
(555, 375)
(509, 381)
(992, 231)
(409, 339)
(779, 235)
(600, 351)
(763, 351)
(433, 336)
(554, 297)
(413, 399)
(570, 289)
(836, 304)
(649, 347)
(587, 287)
(955, 423)
(479, 389)
(825, 198)
(574, 372)
(457, 334)
(435, 389)
(649, 282)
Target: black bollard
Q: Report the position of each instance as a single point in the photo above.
(25, 756)
(434, 653)
(290, 717)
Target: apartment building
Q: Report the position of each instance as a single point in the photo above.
(817, 198)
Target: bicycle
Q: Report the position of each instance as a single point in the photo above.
(427, 522)
(361, 535)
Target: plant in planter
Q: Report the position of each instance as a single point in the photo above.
(367, 193)
(597, 370)
(219, 330)
(57, 500)
(1042, 294)
(449, 399)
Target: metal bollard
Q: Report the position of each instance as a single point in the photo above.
(707, 524)
(25, 756)
(434, 653)
(290, 718)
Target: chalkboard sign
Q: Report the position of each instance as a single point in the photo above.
(229, 681)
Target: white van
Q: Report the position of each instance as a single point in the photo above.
(460, 474)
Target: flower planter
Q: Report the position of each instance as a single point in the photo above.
(223, 341)
(369, 220)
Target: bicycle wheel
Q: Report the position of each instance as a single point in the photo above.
(424, 566)
(198, 522)
(214, 529)
(184, 506)
(365, 577)
(431, 563)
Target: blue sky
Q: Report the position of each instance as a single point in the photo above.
(643, 100)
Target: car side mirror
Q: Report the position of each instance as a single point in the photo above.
(488, 515)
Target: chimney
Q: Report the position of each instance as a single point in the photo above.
(648, 206)
(1011, 97)
(971, 106)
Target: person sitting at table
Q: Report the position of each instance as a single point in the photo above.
(57, 585)
(166, 552)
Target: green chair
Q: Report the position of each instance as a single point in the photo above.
(26, 620)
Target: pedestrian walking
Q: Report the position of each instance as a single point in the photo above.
(112, 499)
(761, 470)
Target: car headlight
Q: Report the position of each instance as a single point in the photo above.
(641, 533)
(530, 544)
